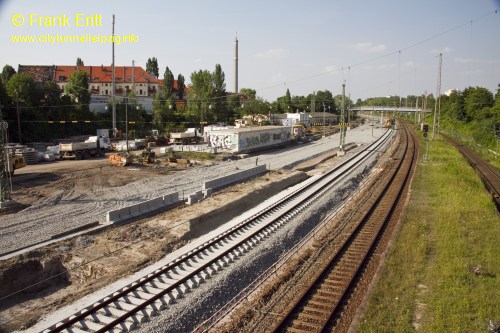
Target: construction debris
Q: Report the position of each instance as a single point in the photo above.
(120, 160)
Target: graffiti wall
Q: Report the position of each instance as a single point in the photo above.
(227, 141)
(263, 138)
(249, 138)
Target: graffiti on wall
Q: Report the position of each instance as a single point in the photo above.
(222, 141)
(249, 142)
(264, 139)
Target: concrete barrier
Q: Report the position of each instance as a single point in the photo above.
(142, 209)
(195, 148)
(195, 197)
(237, 177)
(171, 198)
(207, 193)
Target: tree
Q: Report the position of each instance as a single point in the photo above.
(250, 94)
(7, 73)
(152, 67)
(201, 92)
(22, 88)
(78, 89)
(288, 98)
(338, 102)
(168, 83)
(51, 93)
(79, 62)
(180, 86)
(326, 98)
(233, 107)
(219, 103)
(477, 101)
(453, 106)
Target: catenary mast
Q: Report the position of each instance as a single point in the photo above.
(236, 65)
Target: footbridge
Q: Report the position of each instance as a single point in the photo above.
(388, 109)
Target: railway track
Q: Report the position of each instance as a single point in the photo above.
(322, 301)
(134, 304)
(489, 175)
(319, 288)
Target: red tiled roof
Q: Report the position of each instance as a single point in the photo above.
(103, 74)
(39, 73)
(96, 74)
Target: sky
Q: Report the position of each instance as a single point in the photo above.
(377, 48)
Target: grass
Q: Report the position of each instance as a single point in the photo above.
(451, 227)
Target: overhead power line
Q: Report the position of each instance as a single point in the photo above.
(386, 54)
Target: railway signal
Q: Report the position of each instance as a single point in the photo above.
(425, 128)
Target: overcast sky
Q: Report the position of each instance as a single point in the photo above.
(379, 48)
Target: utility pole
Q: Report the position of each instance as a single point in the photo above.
(18, 117)
(342, 122)
(113, 112)
(372, 119)
(349, 110)
(5, 199)
(416, 111)
(437, 105)
(324, 124)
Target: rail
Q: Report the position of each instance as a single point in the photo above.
(135, 303)
(489, 175)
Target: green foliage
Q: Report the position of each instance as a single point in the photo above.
(51, 94)
(79, 62)
(201, 92)
(161, 110)
(288, 99)
(7, 73)
(180, 86)
(304, 103)
(338, 102)
(78, 90)
(471, 115)
(248, 93)
(152, 67)
(22, 88)
(477, 101)
(168, 83)
(451, 226)
(219, 102)
(128, 109)
(325, 97)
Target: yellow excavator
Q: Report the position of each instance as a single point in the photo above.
(15, 162)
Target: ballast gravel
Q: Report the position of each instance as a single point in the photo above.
(69, 208)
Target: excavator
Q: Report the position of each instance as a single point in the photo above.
(16, 162)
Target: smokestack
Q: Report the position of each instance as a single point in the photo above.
(236, 64)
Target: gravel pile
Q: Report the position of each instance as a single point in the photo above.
(69, 209)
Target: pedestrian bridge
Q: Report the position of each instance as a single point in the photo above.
(387, 109)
